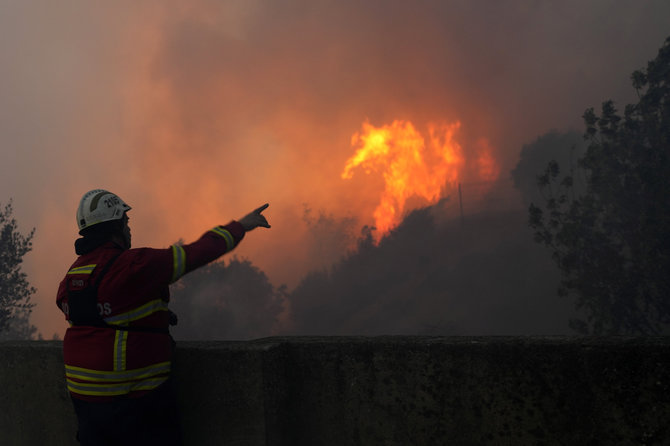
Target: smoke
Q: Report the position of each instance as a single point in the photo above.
(218, 301)
(329, 238)
(196, 114)
(434, 274)
(564, 148)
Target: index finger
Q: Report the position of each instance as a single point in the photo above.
(262, 208)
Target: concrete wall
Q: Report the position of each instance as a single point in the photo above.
(379, 391)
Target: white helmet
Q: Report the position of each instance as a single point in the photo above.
(97, 206)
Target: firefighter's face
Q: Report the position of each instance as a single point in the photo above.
(126, 229)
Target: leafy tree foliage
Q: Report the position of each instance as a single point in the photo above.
(535, 156)
(20, 328)
(218, 301)
(15, 291)
(612, 243)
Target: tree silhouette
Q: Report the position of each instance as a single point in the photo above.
(612, 243)
(15, 291)
(535, 156)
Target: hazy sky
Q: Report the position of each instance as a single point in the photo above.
(196, 112)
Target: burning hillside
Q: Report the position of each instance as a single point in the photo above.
(414, 166)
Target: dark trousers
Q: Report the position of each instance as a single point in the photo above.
(152, 419)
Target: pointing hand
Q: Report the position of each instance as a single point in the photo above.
(255, 219)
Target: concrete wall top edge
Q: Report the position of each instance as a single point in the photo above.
(271, 342)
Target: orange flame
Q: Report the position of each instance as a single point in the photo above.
(410, 166)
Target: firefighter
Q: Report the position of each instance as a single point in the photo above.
(118, 350)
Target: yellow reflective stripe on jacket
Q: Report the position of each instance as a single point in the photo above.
(83, 374)
(86, 269)
(178, 262)
(120, 343)
(114, 389)
(230, 240)
(138, 313)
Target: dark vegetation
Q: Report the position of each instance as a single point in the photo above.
(611, 238)
(15, 291)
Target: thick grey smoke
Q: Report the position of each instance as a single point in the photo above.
(195, 113)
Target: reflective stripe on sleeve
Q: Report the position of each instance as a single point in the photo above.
(120, 342)
(230, 240)
(114, 389)
(138, 313)
(86, 269)
(178, 262)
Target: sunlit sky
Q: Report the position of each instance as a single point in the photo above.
(197, 112)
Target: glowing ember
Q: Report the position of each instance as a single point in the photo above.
(411, 167)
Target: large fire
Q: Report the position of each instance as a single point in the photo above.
(413, 166)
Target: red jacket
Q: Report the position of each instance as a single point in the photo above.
(103, 362)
